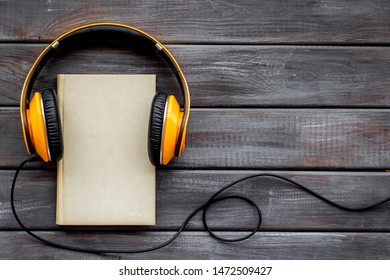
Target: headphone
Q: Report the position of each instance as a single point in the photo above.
(39, 113)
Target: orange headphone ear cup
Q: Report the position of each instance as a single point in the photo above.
(156, 125)
(53, 124)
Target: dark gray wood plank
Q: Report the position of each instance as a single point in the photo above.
(198, 245)
(227, 76)
(272, 138)
(261, 138)
(179, 192)
(246, 21)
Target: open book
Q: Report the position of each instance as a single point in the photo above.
(105, 177)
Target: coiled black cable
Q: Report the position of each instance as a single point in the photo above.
(213, 199)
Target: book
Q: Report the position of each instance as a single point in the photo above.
(105, 177)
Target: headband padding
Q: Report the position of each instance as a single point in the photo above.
(53, 124)
(104, 33)
(156, 122)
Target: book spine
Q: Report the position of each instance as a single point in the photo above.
(60, 102)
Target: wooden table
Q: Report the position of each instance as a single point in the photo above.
(297, 88)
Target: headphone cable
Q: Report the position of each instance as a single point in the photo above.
(205, 206)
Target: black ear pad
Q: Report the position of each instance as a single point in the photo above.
(156, 122)
(53, 124)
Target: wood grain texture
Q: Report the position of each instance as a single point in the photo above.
(261, 138)
(226, 76)
(202, 21)
(198, 245)
(179, 192)
(295, 139)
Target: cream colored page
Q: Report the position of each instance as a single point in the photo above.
(105, 177)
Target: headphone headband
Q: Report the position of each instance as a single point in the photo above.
(66, 39)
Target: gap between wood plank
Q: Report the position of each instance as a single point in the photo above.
(127, 231)
(249, 170)
(265, 107)
(216, 43)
